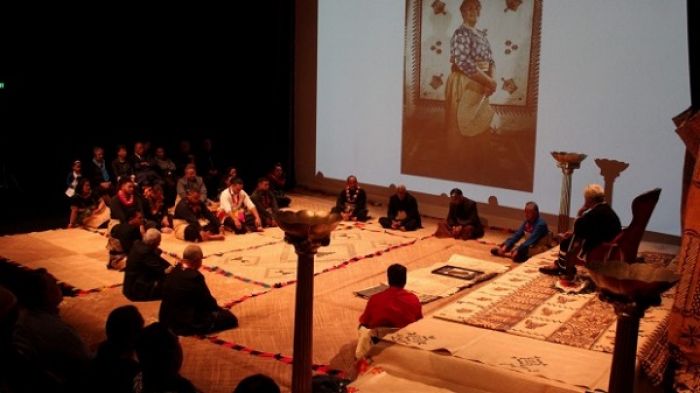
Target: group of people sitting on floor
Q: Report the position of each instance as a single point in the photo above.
(159, 183)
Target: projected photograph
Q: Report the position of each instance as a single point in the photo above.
(470, 91)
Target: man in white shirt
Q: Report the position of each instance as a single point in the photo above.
(237, 211)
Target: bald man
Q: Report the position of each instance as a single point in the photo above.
(402, 213)
(188, 307)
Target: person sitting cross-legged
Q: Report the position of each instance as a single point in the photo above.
(265, 203)
(394, 307)
(145, 269)
(194, 222)
(114, 367)
(237, 210)
(352, 201)
(188, 307)
(402, 213)
(387, 311)
(462, 221)
(537, 237)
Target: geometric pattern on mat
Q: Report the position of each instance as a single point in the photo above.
(525, 302)
(277, 263)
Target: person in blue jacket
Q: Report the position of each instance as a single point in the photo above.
(536, 233)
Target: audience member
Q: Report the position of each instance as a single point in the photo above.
(160, 356)
(352, 201)
(402, 213)
(462, 220)
(237, 210)
(125, 203)
(75, 174)
(257, 383)
(53, 357)
(394, 307)
(278, 183)
(194, 222)
(121, 166)
(191, 182)
(537, 237)
(265, 203)
(99, 175)
(115, 366)
(145, 269)
(86, 208)
(188, 307)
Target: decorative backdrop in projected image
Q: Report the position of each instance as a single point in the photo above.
(470, 91)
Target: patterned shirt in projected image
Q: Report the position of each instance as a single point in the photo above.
(468, 48)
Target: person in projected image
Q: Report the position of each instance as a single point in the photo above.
(352, 201)
(467, 91)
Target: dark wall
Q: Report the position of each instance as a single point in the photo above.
(72, 82)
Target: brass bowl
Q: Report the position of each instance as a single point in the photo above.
(632, 281)
(563, 157)
(308, 224)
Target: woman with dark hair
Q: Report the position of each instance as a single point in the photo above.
(86, 208)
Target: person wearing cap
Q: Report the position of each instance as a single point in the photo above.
(536, 233)
(462, 220)
(352, 201)
(402, 213)
(595, 224)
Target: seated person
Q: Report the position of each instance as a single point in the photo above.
(144, 166)
(166, 169)
(74, 175)
(194, 222)
(257, 383)
(394, 307)
(99, 175)
(402, 213)
(277, 185)
(595, 224)
(54, 358)
(121, 238)
(462, 220)
(188, 307)
(237, 210)
(191, 182)
(86, 208)
(230, 174)
(125, 203)
(121, 166)
(537, 237)
(145, 269)
(160, 356)
(352, 202)
(155, 212)
(265, 203)
(114, 366)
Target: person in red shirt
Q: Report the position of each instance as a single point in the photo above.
(394, 307)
